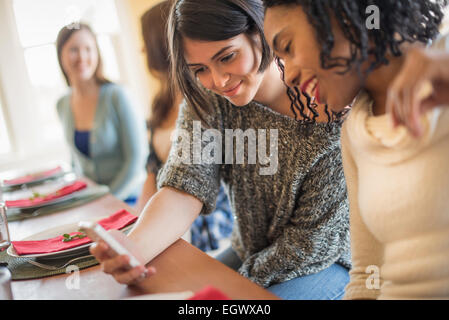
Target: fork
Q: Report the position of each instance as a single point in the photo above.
(53, 268)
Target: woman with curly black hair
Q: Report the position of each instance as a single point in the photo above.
(398, 182)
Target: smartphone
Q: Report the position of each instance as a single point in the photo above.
(96, 232)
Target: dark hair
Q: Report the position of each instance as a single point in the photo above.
(297, 105)
(64, 35)
(154, 32)
(400, 21)
(210, 20)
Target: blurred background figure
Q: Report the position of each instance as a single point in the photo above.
(206, 231)
(107, 139)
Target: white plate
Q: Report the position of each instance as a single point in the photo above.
(36, 181)
(54, 232)
(70, 196)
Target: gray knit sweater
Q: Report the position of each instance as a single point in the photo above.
(290, 222)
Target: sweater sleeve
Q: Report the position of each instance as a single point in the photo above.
(366, 251)
(184, 169)
(133, 139)
(317, 234)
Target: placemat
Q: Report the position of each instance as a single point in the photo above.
(21, 269)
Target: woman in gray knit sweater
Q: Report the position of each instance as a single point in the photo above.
(278, 158)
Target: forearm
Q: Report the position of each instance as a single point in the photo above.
(148, 190)
(164, 220)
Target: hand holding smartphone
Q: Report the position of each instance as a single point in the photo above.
(96, 232)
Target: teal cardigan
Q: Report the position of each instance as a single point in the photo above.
(118, 143)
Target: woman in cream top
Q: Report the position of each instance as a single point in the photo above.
(398, 183)
(398, 188)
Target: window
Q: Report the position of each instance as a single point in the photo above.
(38, 23)
(5, 145)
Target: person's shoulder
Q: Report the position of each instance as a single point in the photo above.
(357, 115)
(63, 103)
(116, 95)
(441, 42)
(217, 106)
(113, 89)
(344, 131)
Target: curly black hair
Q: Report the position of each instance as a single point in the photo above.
(400, 21)
(304, 110)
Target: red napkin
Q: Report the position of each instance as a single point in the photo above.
(76, 186)
(117, 221)
(31, 177)
(209, 293)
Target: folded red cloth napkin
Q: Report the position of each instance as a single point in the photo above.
(118, 220)
(76, 186)
(209, 293)
(35, 176)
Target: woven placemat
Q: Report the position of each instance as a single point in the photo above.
(93, 194)
(22, 269)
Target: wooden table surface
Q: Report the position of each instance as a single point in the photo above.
(181, 267)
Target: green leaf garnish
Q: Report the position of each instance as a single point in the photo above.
(68, 237)
(36, 195)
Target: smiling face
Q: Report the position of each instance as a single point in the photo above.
(292, 38)
(229, 68)
(79, 56)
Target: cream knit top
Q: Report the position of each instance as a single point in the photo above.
(398, 189)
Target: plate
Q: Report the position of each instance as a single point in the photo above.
(70, 196)
(36, 181)
(54, 232)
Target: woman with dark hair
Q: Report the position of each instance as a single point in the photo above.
(206, 231)
(398, 183)
(291, 232)
(107, 140)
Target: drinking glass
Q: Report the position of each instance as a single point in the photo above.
(4, 231)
